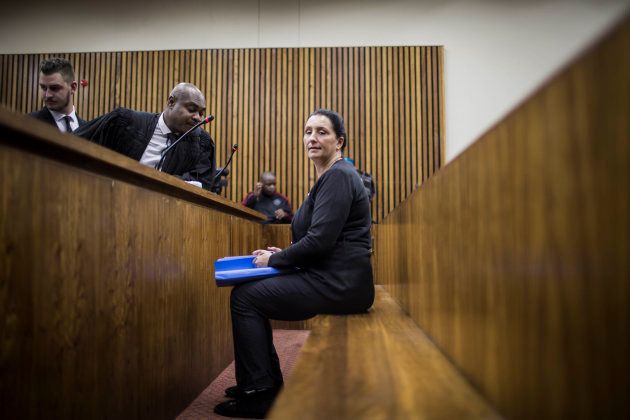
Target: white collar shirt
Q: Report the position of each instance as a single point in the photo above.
(60, 120)
(159, 141)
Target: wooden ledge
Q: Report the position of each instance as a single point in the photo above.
(378, 365)
(26, 133)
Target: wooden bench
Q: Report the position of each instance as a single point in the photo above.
(377, 365)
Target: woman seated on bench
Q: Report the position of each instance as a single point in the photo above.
(331, 246)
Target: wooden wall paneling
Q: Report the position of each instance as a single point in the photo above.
(24, 78)
(105, 311)
(296, 112)
(391, 104)
(430, 104)
(123, 93)
(411, 119)
(374, 123)
(246, 120)
(513, 258)
(33, 80)
(99, 91)
(15, 93)
(397, 115)
(6, 68)
(234, 123)
(439, 135)
(121, 369)
(215, 98)
(14, 82)
(4, 81)
(367, 88)
(389, 97)
(300, 118)
(348, 100)
(276, 160)
(416, 121)
(226, 106)
(422, 120)
(133, 76)
(283, 146)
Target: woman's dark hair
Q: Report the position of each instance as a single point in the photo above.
(337, 123)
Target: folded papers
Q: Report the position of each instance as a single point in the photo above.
(229, 271)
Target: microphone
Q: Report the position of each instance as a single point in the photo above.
(168, 149)
(234, 149)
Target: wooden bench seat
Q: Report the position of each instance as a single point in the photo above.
(378, 365)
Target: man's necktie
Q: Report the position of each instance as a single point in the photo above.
(67, 120)
(170, 138)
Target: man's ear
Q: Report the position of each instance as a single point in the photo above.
(73, 86)
(171, 101)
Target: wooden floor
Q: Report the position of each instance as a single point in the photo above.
(378, 365)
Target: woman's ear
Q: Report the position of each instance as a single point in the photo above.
(340, 142)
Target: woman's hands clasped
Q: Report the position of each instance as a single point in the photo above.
(262, 256)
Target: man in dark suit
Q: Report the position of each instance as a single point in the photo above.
(144, 136)
(56, 81)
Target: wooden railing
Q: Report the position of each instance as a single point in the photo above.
(390, 97)
(514, 258)
(108, 307)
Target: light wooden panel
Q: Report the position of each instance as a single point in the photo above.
(390, 97)
(375, 365)
(108, 306)
(514, 257)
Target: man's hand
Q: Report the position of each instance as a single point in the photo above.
(258, 189)
(280, 214)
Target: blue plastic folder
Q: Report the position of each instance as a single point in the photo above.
(230, 271)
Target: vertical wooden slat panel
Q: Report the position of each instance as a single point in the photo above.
(390, 97)
(424, 112)
(381, 120)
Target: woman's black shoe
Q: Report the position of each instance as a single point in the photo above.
(233, 392)
(252, 405)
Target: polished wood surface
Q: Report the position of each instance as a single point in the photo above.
(377, 365)
(108, 307)
(277, 235)
(513, 258)
(24, 133)
(390, 97)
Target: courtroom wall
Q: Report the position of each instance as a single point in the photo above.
(495, 52)
(390, 97)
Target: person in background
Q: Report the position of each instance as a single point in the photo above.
(368, 181)
(267, 200)
(58, 86)
(331, 246)
(144, 136)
